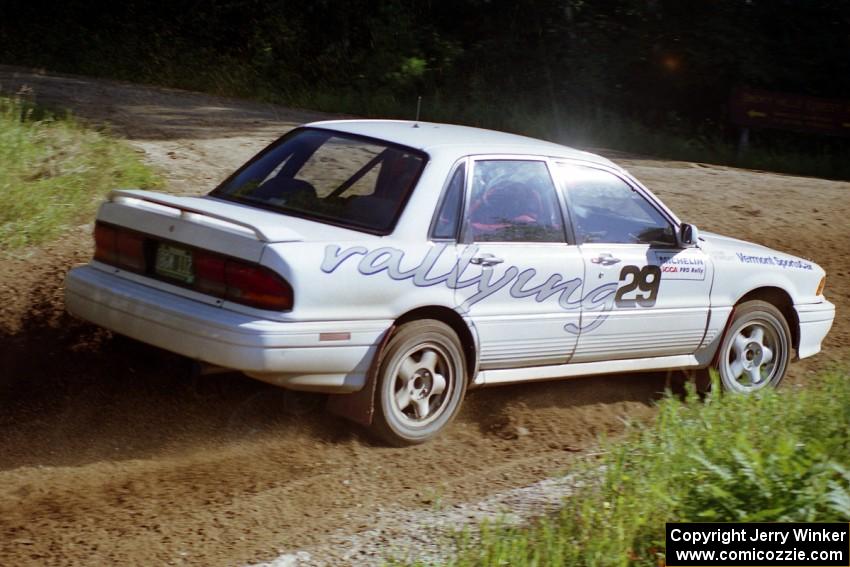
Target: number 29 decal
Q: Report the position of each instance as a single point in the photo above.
(642, 282)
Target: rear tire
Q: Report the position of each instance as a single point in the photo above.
(421, 383)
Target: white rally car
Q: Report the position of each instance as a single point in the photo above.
(402, 263)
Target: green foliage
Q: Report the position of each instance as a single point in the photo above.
(55, 172)
(648, 77)
(777, 456)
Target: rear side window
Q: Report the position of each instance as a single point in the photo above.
(606, 209)
(513, 201)
(330, 176)
(448, 217)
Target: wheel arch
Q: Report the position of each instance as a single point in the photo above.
(360, 406)
(457, 323)
(780, 299)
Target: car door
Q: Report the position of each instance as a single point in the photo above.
(523, 282)
(653, 295)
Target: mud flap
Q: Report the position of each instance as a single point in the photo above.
(359, 406)
(702, 377)
(715, 360)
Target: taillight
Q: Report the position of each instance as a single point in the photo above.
(220, 276)
(240, 282)
(257, 286)
(130, 248)
(209, 273)
(104, 244)
(120, 248)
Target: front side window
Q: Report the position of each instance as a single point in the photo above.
(513, 201)
(606, 209)
(330, 176)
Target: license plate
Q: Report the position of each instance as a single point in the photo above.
(174, 262)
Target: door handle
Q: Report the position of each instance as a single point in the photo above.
(606, 259)
(485, 259)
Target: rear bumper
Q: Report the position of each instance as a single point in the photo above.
(288, 354)
(815, 322)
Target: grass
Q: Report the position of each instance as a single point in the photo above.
(55, 172)
(776, 457)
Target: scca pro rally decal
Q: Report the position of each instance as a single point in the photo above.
(598, 301)
(685, 265)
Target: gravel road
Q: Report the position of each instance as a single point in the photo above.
(110, 452)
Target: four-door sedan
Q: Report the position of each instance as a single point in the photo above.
(402, 263)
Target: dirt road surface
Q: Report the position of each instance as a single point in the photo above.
(111, 453)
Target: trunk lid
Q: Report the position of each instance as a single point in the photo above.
(237, 230)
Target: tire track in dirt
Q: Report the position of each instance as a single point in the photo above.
(110, 451)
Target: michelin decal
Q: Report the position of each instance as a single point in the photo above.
(681, 265)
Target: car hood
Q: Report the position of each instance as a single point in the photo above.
(752, 253)
(727, 242)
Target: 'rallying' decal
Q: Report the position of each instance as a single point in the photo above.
(598, 301)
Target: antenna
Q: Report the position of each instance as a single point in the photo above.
(418, 108)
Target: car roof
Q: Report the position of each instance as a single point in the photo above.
(451, 140)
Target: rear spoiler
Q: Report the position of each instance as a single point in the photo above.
(187, 210)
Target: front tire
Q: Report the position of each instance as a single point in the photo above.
(421, 383)
(756, 349)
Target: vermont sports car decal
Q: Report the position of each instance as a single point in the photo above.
(596, 303)
(773, 261)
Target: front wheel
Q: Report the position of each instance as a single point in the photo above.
(756, 349)
(421, 383)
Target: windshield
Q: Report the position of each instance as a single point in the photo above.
(338, 178)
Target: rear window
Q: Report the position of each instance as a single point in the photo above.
(355, 182)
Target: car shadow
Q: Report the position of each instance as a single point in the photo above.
(582, 408)
(74, 394)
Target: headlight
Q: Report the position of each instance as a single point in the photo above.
(821, 285)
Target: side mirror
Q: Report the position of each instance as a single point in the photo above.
(688, 235)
